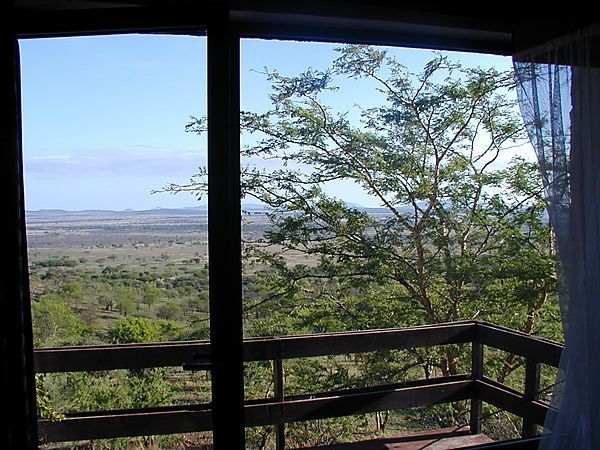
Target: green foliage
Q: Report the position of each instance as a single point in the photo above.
(147, 388)
(57, 262)
(140, 329)
(460, 233)
(45, 406)
(326, 431)
(125, 299)
(96, 391)
(72, 292)
(86, 306)
(151, 294)
(461, 236)
(54, 322)
(169, 310)
(93, 391)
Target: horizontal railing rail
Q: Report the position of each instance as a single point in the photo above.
(518, 343)
(193, 418)
(282, 409)
(173, 354)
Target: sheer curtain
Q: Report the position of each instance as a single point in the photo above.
(559, 95)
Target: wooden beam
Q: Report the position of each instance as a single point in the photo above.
(510, 400)
(476, 374)
(224, 231)
(127, 423)
(378, 388)
(330, 21)
(517, 343)
(279, 387)
(134, 356)
(422, 440)
(532, 387)
(359, 403)
(182, 419)
(532, 443)
(120, 356)
(403, 35)
(17, 382)
(170, 354)
(286, 347)
(91, 22)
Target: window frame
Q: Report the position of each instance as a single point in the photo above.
(225, 27)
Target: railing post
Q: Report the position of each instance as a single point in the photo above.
(532, 386)
(278, 384)
(476, 374)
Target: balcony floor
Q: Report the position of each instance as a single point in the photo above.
(443, 439)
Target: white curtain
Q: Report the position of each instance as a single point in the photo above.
(559, 94)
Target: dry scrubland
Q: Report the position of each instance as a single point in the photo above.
(115, 277)
(102, 239)
(91, 271)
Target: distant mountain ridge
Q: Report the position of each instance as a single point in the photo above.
(186, 210)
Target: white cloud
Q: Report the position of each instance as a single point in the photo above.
(117, 162)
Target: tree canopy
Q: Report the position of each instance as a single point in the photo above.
(461, 231)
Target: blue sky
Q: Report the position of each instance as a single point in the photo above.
(104, 117)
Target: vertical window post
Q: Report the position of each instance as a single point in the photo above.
(17, 382)
(224, 232)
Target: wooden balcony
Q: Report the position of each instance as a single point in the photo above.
(282, 409)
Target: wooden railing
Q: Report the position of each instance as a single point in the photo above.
(282, 409)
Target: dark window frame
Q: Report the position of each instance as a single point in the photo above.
(225, 28)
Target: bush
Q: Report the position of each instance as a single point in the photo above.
(54, 322)
(140, 329)
(168, 311)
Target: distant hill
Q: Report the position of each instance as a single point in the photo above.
(188, 210)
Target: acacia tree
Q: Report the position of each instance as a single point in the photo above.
(460, 232)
